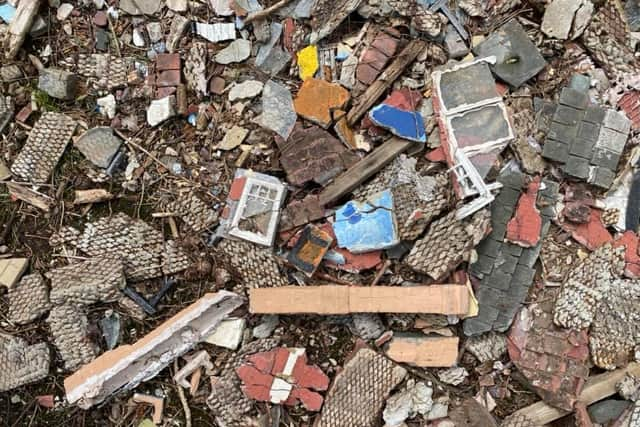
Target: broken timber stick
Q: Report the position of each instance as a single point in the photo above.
(336, 299)
(92, 196)
(362, 170)
(426, 352)
(265, 12)
(596, 388)
(20, 26)
(385, 80)
(26, 194)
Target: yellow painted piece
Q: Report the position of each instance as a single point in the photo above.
(308, 62)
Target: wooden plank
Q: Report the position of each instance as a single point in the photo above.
(92, 196)
(361, 171)
(30, 196)
(385, 80)
(337, 299)
(11, 270)
(596, 388)
(20, 26)
(426, 352)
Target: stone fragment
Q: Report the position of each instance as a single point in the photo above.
(608, 410)
(126, 366)
(328, 15)
(177, 5)
(448, 243)
(313, 154)
(553, 359)
(178, 27)
(244, 90)
(228, 334)
(28, 300)
(558, 17)
(308, 62)
(473, 414)
(107, 106)
(508, 42)
(63, 12)
(216, 32)
(255, 265)
(142, 249)
(161, 110)
(525, 227)
(311, 247)
(404, 124)
(271, 58)
(278, 112)
(414, 399)
(317, 99)
(282, 376)
(195, 68)
(266, 327)
(367, 326)
(21, 363)
(11, 269)
(197, 214)
(110, 326)
(455, 44)
(360, 390)
(58, 84)
(368, 226)
(46, 143)
(237, 51)
(233, 138)
(100, 145)
(222, 7)
(140, 7)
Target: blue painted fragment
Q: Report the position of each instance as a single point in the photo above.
(404, 124)
(7, 12)
(369, 226)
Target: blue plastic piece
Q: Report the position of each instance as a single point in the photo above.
(368, 226)
(7, 12)
(404, 124)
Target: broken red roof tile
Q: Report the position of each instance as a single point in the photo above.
(525, 226)
(317, 99)
(282, 375)
(404, 99)
(629, 240)
(436, 155)
(630, 104)
(591, 234)
(555, 360)
(237, 187)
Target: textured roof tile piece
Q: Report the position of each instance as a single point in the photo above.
(6, 111)
(554, 360)
(70, 331)
(194, 212)
(21, 363)
(257, 266)
(44, 147)
(360, 390)
(448, 243)
(110, 71)
(88, 282)
(28, 300)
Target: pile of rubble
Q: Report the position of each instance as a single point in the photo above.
(320, 212)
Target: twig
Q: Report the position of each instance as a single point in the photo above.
(265, 12)
(115, 37)
(183, 399)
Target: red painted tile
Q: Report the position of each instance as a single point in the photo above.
(629, 240)
(524, 228)
(592, 234)
(168, 78)
(168, 61)
(404, 99)
(237, 186)
(436, 155)
(310, 399)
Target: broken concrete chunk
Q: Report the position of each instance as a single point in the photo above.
(455, 44)
(44, 147)
(21, 363)
(360, 390)
(161, 110)
(454, 376)
(140, 7)
(271, 58)
(216, 32)
(100, 145)
(244, 90)
(127, 366)
(282, 376)
(436, 352)
(308, 105)
(563, 16)
(336, 299)
(228, 333)
(508, 42)
(237, 51)
(368, 226)
(414, 399)
(58, 84)
(553, 359)
(11, 269)
(28, 300)
(278, 112)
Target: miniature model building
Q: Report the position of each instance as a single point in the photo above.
(44, 147)
(587, 140)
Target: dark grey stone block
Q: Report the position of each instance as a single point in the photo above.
(588, 131)
(580, 82)
(568, 115)
(617, 121)
(576, 166)
(484, 264)
(612, 140)
(506, 263)
(501, 214)
(489, 247)
(574, 98)
(605, 158)
(601, 177)
(498, 230)
(556, 151)
(562, 132)
(512, 179)
(508, 196)
(474, 326)
(523, 275)
(594, 114)
(582, 148)
(529, 256)
(512, 249)
(550, 189)
(498, 279)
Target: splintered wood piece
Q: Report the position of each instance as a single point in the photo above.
(385, 80)
(30, 196)
(428, 352)
(11, 270)
(362, 170)
(20, 26)
(597, 388)
(437, 299)
(92, 196)
(156, 402)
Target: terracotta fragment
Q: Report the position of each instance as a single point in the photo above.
(525, 226)
(317, 99)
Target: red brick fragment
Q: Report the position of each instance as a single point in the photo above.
(168, 78)
(630, 104)
(375, 57)
(216, 85)
(237, 186)
(436, 155)
(629, 240)
(287, 34)
(592, 234)
(525, 226)
(163, 92)
(46, 401)
(100, 19)
(168, 61)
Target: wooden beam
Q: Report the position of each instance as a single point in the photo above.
(385, 80)
(597, 388)
(426, 352)
(337, 299)
(361, 171)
